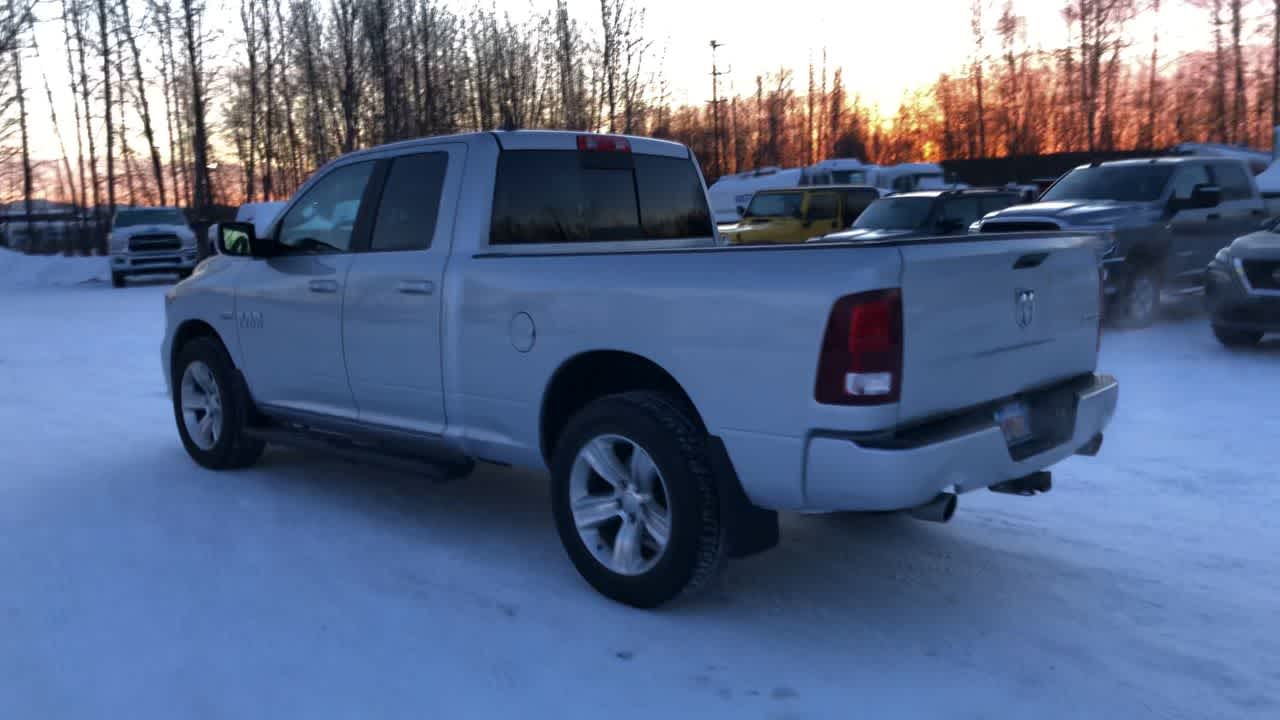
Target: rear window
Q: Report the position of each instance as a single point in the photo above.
(558, 196)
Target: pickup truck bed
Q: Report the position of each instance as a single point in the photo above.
(679, 391)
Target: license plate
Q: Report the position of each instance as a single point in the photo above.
(1014, 423)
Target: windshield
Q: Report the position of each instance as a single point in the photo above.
(774, 205)
(1126, 183)
(906, 213)
(157, 216)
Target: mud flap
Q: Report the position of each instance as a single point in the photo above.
(752, 529)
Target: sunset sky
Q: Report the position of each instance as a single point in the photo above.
(886, 47)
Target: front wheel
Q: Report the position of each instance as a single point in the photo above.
(1139, 303)
(117, 280)
(1236, 338)
(635, 502)
(210, 409)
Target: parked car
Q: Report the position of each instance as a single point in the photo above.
(1161, 221)
(146, 241)
(552, 300)
(797, 214)
(730, 194)
(261, 214)
(924, 213)
(1242, 288)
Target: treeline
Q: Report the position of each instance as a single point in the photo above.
(169, 102)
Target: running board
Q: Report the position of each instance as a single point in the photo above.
(353, 450)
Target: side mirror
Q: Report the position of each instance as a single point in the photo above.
(237, 239)
(742, 211)
(1205, 196)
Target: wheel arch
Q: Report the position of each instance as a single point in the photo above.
(189, 330)
(594, 374)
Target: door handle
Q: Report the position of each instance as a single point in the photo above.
(323, 286)
(1214, 216)
(416, 287)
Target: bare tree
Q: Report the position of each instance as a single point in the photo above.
(57, 127)
(1238, 111)
(140, 96)
(979, 61)
(104, 51)
(19, 19)
(75, 103)
(202, 192)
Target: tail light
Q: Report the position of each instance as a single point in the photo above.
(861, 360)
(603, 143)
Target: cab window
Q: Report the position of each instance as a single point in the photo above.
(961, 211)
(774, 205)
(324, 218)
(855, 201)
(823, 206)
(1187, 177)
(1233, 181)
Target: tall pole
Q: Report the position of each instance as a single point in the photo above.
(715, 107)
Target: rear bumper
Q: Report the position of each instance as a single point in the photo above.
(154, 262)
(902, 470)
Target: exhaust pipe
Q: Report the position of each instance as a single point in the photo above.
(939, 509)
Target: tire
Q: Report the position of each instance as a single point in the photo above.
(1139, 303)
(1236, 338)
(227, 445)
(117, 280)
(684, 488)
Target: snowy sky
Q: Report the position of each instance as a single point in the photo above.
(885, 48)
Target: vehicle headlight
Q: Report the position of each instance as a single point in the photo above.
(116, 243)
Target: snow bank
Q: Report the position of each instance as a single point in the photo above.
(33, 271)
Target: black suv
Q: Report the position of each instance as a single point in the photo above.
(925, 213)
(1162, 220)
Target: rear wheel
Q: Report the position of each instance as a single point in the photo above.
(1139, 304)
(635, 501)
(1236, 338)
(211, 409)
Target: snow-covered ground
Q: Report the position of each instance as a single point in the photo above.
(135, 585)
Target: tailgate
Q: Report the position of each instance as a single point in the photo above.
(986, 319)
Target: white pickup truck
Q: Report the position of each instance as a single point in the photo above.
(559, 301)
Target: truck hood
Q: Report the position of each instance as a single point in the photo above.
(1075, 212)
(1257, 246)
(869, 235)
(181, 231)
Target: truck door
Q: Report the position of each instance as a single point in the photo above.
(289, 306)
(821, 215)
(391, 317)
(1241, 207)
(1192, 230)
